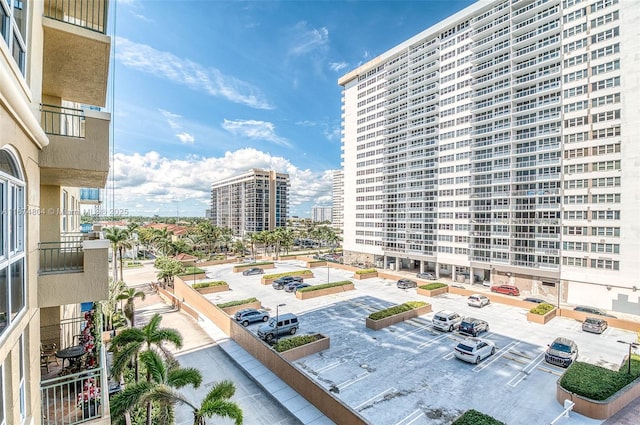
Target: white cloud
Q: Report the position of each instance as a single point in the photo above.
(338, 66)
(253, 129)
(167, 184)
(308, 39)
(166, 65)
(186, 138)
(171, 118)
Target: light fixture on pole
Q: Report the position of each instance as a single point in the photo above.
(277, 307)
(631, 345)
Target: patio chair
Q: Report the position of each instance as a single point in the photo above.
(48, 355)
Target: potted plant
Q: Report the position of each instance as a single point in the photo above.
(89, 398)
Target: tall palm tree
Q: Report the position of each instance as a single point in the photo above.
(134, 238)
(118, 238)
(162, 240)
(130, 294)
(130, 342)
(215, 403)
(110, 305)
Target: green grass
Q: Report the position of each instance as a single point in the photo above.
(542, 309)
(473, 417)
(294, 342)
(396, 309)
(294, 273)
(191, 271)
(208, 284)
(596, 382)
(237, 302)
(432, 286)
(366, 271)
(324, 286)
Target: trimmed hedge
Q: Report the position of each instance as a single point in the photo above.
(473, 417)
(293, 273)
(294, 342)
(396, 309)
(542, 309)
(208, 284)
(324, 286)
(191, 271)
(366, 271)
(237, 302)
(432, 286)
(260, 263)
(596, 382)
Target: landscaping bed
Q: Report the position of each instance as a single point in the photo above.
(232, 307)
(398, 313)
(262, 264)
(365, 274)
(324, 289)
(300, 346)
(192, 273)
(269, 278)
(473, 417)
(541, 313)
(433, 289)
(316, 263)
(211, 287)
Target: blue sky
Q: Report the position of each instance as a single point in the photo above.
(204, 90)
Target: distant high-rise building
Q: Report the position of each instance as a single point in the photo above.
(320, 214)
(501, 143)
(251, 202)
(337, 210)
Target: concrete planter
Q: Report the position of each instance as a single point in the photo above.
(397, 318)
(321, 292)
(365, 276)
(213, 289)
(192, 277)
(312, 264)
(306, 350)
(269, 281)
(245, 266)
(232, 310)
(433, 292)
(541, 318)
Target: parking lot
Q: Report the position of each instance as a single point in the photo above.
(407, 374)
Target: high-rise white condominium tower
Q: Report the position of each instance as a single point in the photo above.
(337, 205)
(501, 144)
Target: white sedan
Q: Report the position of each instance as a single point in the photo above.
(473, 350)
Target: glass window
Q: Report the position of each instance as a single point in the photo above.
(13, 29)
(22, 401)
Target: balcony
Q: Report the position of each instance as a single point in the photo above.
(78, 150)
(76, 50)
(72, 271)
(90, 196)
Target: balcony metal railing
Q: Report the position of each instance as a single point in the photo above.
(61, 257)
(88, 14)
(61, 121)
(90, 194)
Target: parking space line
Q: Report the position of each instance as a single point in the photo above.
(552, 369)
(526, 370)
(449, 356)
(329, 366)
(496, 356)
(431, 341)
(352, 381)
(419, 412)
(376, 397)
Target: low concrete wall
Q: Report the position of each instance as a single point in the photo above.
(312, 264)
(628, 325)
(213, 289)
(321, 292)
(193, 277)
(198, 302)
(232, 310)
(364, 275)
(376, 325)
(245, 266)
(600, 409)
(541, 318)
(432, 292)
(269, 281)
(308, 349)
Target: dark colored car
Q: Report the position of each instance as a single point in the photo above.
(506, 289)
(252, 271)
(594, 325)
(593, 310)
(250, 315)
(282, 282)
(472, 326)
(293, 287)
(407, 283)
(562, 352)
(535, 300)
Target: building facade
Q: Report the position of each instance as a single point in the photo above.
(54, 140)
(499, 145)
(337, 209)
(251, 202)
(320, 214)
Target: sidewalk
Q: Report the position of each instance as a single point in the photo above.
(203, 334)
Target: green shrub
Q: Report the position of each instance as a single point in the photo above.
(596, 382)
(366, 271)
(432, 286)
(237, 302)
(191, 271)
(208, 284)
(542, 309)
(324, 286)
(473, 417)
(261, 263)
(295, 341)
(294, 273)
(396, 309)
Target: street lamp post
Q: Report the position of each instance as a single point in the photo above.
(631, 345)
(277, 319)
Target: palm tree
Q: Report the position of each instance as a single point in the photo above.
(110, 305)
(132, 228)
(130, 342)
(130, 294)
(215, 403)
(162, 240)
(118, 238)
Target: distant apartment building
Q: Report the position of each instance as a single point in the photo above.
(54, 141)
(320, 214)
(337, 209)
(501, 143)
(251, 202)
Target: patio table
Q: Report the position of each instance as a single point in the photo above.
(70, 353)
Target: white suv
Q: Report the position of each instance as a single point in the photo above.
(446, 320)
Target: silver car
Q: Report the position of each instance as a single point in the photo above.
(473, 350)
(446, 320)
(478, 300)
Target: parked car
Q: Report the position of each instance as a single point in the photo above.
(446, 320)
(473, 350)
(250, 315)
(594, 325)
(593, 310)
(534, 300)
(478, 300)
(293, 287)
(283, 281)
(506, 289)
(248, 260)
(472, 326)
(561, 352)
(486, 283)
(287, 324)
(426, 275)
(252, 271)
(407, 283)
